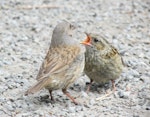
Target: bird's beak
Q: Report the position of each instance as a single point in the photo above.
(87, 41)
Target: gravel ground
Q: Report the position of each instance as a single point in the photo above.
(25, 32)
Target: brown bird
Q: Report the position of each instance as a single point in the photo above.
(102, 60)
(64, 62)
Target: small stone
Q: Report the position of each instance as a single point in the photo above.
(148, 106)
(145, 79)
(92, 102)
(120, 93)
(123, 94)
(136, 116)
(9, 107)
(71, 109)
(84, 94)
(134, 73)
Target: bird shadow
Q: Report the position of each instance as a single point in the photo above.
(98, 87)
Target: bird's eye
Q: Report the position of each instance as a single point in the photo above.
(95, 40)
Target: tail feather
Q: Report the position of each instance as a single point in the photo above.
(41, 84)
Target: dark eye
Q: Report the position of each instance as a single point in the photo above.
(95, 40)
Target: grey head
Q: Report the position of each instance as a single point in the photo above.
(63, 34)
(96, 41)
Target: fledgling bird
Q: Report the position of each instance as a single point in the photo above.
(102, 60)
(64, 62)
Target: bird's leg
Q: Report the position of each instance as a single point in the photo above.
(108, 93)
(50, 92)
(68, 95)
(113, 86)
(89, 86)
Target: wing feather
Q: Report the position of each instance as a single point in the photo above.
(57, 60)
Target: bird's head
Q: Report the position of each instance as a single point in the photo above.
(95, 41)
(63, 34)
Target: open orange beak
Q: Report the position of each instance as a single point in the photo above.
(87, 41)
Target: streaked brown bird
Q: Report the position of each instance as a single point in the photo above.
(102, 60)
(64, 62)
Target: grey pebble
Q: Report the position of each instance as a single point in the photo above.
(148, 106)
(145, 79)
(92, 102)
(72, 109)
(84, 94)
(9, 107)
(134, 73)
(124, 94)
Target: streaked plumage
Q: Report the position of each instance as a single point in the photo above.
(64, 62)
(102, 60)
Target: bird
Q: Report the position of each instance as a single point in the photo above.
(64, 62)
(102, 60)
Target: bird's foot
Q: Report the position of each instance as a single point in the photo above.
(70, 97)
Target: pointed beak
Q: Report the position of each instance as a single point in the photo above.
(87, 41)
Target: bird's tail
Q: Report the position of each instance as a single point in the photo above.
(41, 84)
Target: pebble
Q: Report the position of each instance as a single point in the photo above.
(148, 106)
(145, 79)
(84, 94)
(92, 102)
(134, 73)
(72, 109)
(123, 94)
(9, 107)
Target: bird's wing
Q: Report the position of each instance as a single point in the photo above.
(57, 60)
(114, 52)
